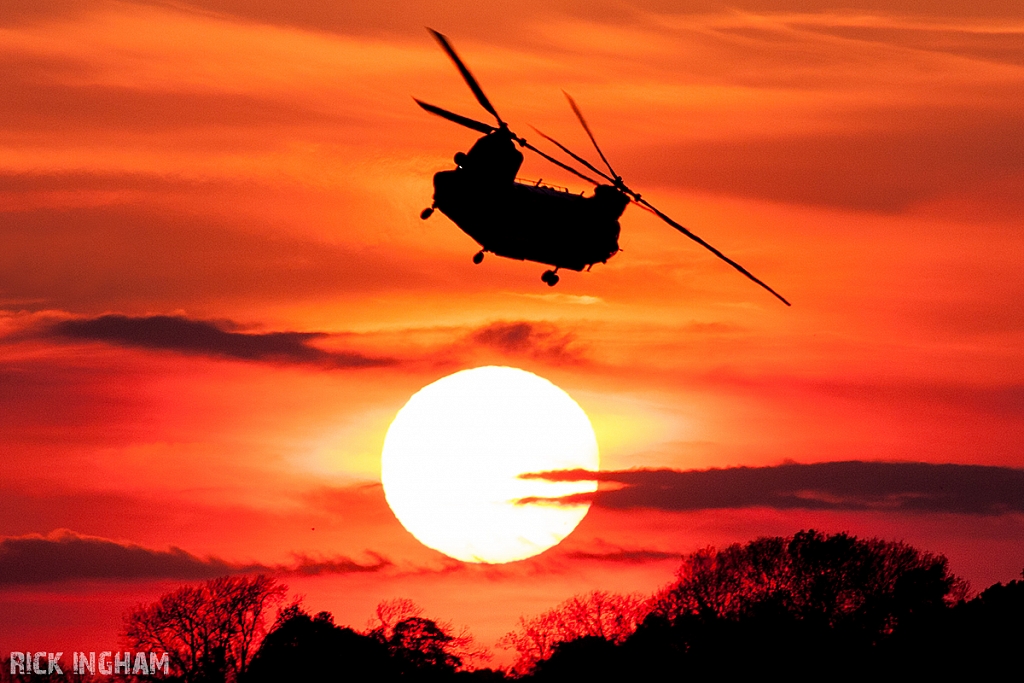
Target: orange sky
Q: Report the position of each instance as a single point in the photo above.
(259, 167)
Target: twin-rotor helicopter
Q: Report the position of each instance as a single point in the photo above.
(531, 221)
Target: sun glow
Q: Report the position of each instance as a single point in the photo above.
(453, 456)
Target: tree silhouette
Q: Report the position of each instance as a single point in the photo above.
(388, 613)
(308, 648)
(422, 645)
(816, 601)
(978, 639)
(838, 581)
(824, 606)
(210, 631)
(587, 658)
(599, 614)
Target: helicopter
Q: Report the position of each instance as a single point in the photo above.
(530, 221)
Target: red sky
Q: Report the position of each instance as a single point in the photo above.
(259, 168)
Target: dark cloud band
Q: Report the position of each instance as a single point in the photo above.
(67, 556)
(854, 485)
(201, 337)
(624, 556)
(540, 340)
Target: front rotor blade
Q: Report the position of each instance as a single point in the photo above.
(698, 240)
(456, 118)
(466, 76)
(575, 156)
(579, 115)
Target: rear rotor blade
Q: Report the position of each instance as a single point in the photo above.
(698, 240)
(456, 118)
(466, 76)
(579, 115)
(523, 143)
(575, 156)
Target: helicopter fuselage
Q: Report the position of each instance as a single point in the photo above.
(532, 222)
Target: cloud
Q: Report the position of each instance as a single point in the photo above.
(26, 11)
(50, 107)
(223, 339)
(200, 337)
(512, 23)
(888, 169)
(562, 298)
(144, 257)
(64, 555)
(394, 18)
(853, 485)
(308, 566)
(623, 556)
(538, 340)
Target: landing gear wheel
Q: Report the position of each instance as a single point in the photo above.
(425, 213)
(478, 257)
(550, 277)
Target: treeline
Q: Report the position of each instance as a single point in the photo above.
(805, 607)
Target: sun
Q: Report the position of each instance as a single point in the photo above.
(453, 455)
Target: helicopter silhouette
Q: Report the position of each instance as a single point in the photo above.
(530, 221)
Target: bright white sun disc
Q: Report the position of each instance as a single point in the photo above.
(453, 456)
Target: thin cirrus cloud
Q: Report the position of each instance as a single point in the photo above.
(66, 556)
(47, 106)
(894, 170)
(137, 257)
(843, 486)
(200, 337)
(512, 23)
